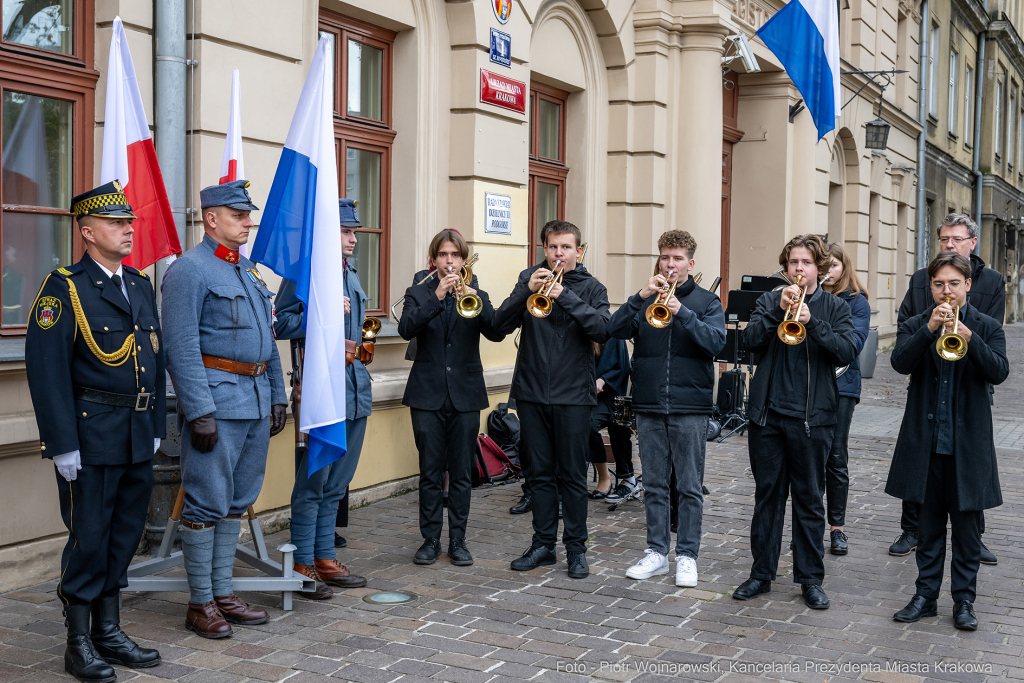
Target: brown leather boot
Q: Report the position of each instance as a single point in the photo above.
(322, 592)
(337, 574)
(207, 621)
(238, 611)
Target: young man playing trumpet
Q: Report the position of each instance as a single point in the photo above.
(793, 406)
(446, 391)
(673, 383)
(554, 386)
(945, 456)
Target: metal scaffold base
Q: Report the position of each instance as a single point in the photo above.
(279, 576)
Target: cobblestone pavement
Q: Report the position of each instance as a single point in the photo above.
(486, 623)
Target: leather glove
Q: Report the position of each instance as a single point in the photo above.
(278, 417)
(156, 445)
(68, 464)
(203, 433)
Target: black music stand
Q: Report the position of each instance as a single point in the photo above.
(741, 306)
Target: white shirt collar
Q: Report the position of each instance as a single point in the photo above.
(119, 272)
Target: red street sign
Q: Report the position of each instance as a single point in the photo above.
(502, 92)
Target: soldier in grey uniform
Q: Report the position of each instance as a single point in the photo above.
(218, 318)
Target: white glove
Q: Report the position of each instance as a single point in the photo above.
(156, 445)
(68, 464)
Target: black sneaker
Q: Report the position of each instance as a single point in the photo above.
(458, 553)
(428, 552)
(987, 557)
(904, 544)
(578, 568)
(839, 544)
(621, 491)
(536, 556)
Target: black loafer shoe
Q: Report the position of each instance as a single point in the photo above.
(987, 557)
(918, 608)
(814, 597)
(524, 505)
(839, 545)
(458, 553)
(339, 541)
(904, 544)
(536, 556)
(751, 588)
(963, 616)
(428, 552)
(578, 567)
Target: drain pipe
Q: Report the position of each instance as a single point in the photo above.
(979, 69)
(922, 101)
(169, 111)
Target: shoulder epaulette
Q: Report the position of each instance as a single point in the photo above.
(67, 271)
(135, 271)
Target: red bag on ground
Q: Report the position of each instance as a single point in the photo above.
(492, 465)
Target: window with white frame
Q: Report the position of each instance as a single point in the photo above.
(933, 78)
(997, 137)
(969, 107)
(953, 97)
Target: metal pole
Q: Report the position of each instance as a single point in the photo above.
(979, 80)
(922, 229)
(169, 111)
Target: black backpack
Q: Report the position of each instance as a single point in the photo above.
(503, 428)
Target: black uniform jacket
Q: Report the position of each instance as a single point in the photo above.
(673, 367)
(555, 365)
(977, 477)
(58, 360)
(987, 295)
(447, 355)
(831, 343)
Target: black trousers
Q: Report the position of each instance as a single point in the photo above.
(553, 452)
(105, 511)
(941, 503)
(622, 446)
(837, 470)
(908, 520)
(446, 441)
(342, 518)
(784, 459)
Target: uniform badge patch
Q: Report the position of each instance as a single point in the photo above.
(47, 312)
(255, 276)
(154, 341)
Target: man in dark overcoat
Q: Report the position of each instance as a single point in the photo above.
(945, 457)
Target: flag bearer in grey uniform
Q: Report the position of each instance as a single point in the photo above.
(223, 361)
(96, 374)
(315, 499)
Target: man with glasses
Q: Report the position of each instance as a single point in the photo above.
(957, 234)
(945, 456)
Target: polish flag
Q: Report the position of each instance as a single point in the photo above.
(231, 166)
(129, 157)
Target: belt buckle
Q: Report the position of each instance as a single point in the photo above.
(141, 402)
(257, 369)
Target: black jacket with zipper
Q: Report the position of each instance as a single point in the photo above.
(831, 343)
(555, 364)
(673, 367)
(988, 293)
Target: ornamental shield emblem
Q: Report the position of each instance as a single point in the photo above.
(154, 341)
(502, 10)
(47, 312)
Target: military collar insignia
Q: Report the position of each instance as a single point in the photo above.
(47, 312)
(225, 254)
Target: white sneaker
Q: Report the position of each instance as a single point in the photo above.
(652, 564)
(686, 571)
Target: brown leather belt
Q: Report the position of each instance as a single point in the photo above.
(363, 352)
(234, 367)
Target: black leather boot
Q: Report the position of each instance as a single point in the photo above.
(81, 659)
(112, 643)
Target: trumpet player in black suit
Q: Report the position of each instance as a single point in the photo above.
(945, 456)
(801, 335)
(446, 390)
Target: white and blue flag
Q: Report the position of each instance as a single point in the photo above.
(299, 239)
(804, 35)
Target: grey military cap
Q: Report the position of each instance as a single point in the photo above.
(233, 195)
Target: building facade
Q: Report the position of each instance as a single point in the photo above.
(491, 117)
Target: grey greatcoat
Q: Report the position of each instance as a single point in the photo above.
(214, 307)
(977, 477)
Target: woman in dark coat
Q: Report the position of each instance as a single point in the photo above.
(945, 457)
(844, 283)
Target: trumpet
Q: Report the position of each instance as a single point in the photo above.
(952, 346)
(657, 314)
(791, 331)
(467, 268)
(467, 305)
(540, 304)
(371, 328)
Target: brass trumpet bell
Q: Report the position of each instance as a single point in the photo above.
(371, 327)
(791, 331)
(467, 305)
(540, 304)
(952, 346)
(657, 314)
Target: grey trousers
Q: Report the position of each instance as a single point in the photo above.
(228, 479)
(668, 441)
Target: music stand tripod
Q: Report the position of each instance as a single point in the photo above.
(741, 305)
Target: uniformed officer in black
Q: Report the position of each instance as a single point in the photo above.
(96, 374)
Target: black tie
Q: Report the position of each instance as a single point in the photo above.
(117, 282)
